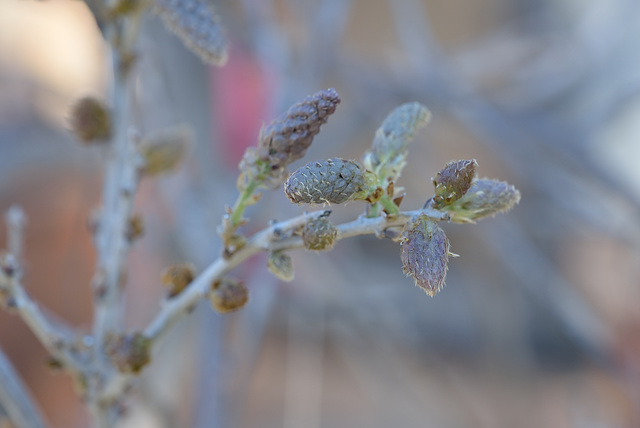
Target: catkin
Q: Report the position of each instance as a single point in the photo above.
(331, 181)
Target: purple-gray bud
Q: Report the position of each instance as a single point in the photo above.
(453, 181)
(425, 253)
(331, 181)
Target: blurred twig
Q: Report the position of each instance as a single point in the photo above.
(15, 399)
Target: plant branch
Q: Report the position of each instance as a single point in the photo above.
(279, 236)
(119, 188)
(15, 398)
(53, 337)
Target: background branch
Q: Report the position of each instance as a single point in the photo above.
(15, 398)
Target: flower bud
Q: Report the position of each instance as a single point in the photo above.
(319, 234)
(129, 353)
(425, 253)
(177, 276)
(288, 137)
(331, 181)
(453, 181)
(91, 120)
(228, 295)
(197, 25)
(281, 265)
(484, 198)
(163, 151)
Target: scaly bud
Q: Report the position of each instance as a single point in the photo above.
(288, 137)
(164, 150)
(177, 276)
(228, 295)
(281, 265)
(319, 234)
(129, 353)
(390, 143)
(331, 181)
(197, 25)
(91, 120)
(485, 197)
(453, 181)
(425, 253)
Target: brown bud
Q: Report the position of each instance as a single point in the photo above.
(484, 198)
(319, 234)
(129, 353)
(425, 253)
(163, 151)
(197, 25)
(288, 137)
(135, 228)
(228, 295)
(91, 120)
(177, 276)
(281, 265)
(453, 181)
(331, 181)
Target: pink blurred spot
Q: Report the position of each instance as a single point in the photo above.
(239, 98)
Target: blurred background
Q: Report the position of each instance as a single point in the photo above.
(538, 325)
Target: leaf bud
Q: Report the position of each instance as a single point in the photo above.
(91, 120)
(453, 181)
(228, 295)
(135, 228)
(129, 353)
(389, 148)
(331, 181)
(485, 197)
(319, 234)
(163, 151)
(425, 253)
(177, 277)
(197, 25)
(281, 265)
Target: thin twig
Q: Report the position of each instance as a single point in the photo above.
(15, 398)
(15, 220)
(118, 192)
(53, 336)
(277, 237)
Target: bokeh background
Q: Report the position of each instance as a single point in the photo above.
(538, 325)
